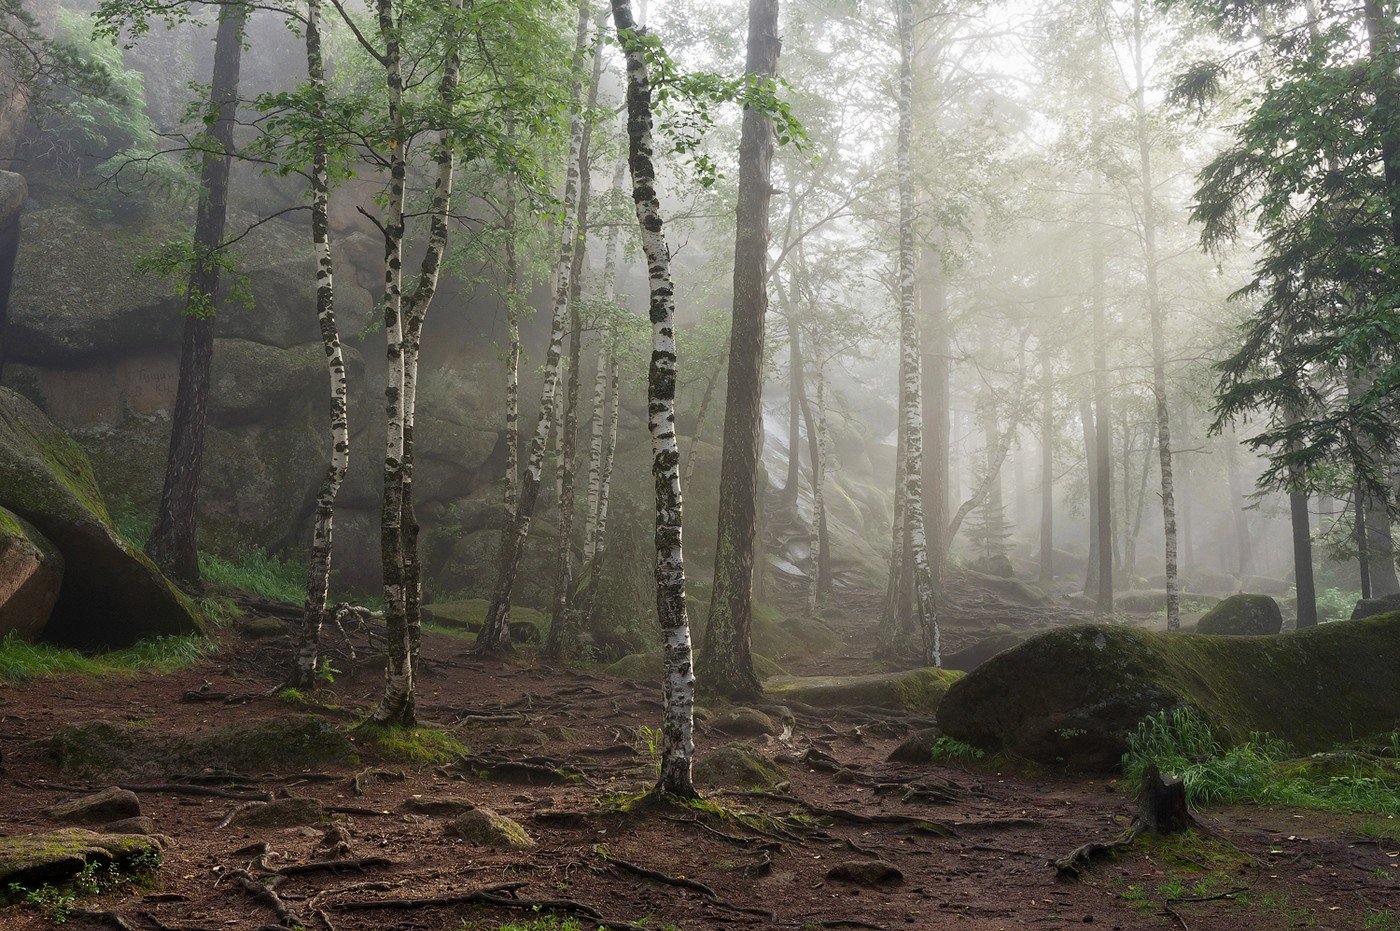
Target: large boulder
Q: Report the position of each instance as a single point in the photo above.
(1071, 697)
(1243, 616)
(111, 594)
(1370, 607)
(970, 657)
(31, 572)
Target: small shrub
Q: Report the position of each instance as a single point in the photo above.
(1334, 604)
(952, 750)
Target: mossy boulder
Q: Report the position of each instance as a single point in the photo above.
(1154, 601)
(744, 722)
(111, 804)
(31, 860)
(449, 805)
(916, 690)
(282, 813)
(1243, 616)
(1071, 697)
(489, 829)
(869, 873)
(737, 766)
(1371, 607)
(527, 625)
(917, 747)
(31, 574)
(111, 594)
(287, 743)
(1011, 589)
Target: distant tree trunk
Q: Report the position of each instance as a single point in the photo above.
(511, 493)
(174, 542)
(910, 355)
(1091, 465)
(1380, 547)
(1130, 553)
(494, 636)
(814, 417)
(934, 342)
(1302, 557)
(303, 673)
(1155, 319)
(1242, 540)
(1188, 523)
(597, 421)
(796, 392)
(1359, 532)
(677, 733)
(726, 660)
(563, 632)
(1103, 437)
(893, 615)
(700, 417)
(1047, 469)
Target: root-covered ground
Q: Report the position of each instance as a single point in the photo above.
(565, 754)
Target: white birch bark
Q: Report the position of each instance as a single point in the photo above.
(677, 741)
(604, 423)
(912, 414)
(495, 631)
(303, 673)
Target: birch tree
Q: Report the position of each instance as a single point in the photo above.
(303, 673)
(494, 636)
(677, 732)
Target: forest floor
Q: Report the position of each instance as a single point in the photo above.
(977, 859)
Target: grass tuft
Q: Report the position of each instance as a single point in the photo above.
(257, 572)
(1264, 770)
(21, 660)
(412, 744)
(951, 750)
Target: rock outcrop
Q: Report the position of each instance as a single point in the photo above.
(31, 572)
(1071, 697)
(1243, 616)
(110, 594)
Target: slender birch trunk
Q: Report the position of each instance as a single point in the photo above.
(604, 437)
(174, 542)
(511, 495)
(303, 673)
(563, 631)
(494, 636)
(677, 732)
(796, 391)
(701, 415)
(399, 530)
(1155, 320)
(909, 349)
(821, 551)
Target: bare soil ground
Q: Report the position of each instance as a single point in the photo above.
(978, 861)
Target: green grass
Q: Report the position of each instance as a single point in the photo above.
(256, 572)
(1265, 770)
(57, 901)
(21, 661)
(412, 744)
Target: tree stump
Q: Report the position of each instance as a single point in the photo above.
(1162, 804)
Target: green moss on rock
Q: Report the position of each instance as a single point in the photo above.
(489, 829)
(1071, 697)
(737, 766)
(31, 860)
(917, 690)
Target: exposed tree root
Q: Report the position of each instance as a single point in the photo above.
(1161, 810)
(925, 825)
(105, 916)
(500, 895)
(681, 882)
(331, 866)
(265, 896)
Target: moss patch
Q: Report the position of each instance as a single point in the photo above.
(918, 690)
(737, 766)
(281, 744)
(411, 744)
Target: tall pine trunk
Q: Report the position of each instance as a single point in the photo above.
(1091, 467)
(726, 658)
(1103, 436)
(792, 486)
(303, 673)
(677, 732)
(495, 631)
(1243, 543)
(911, 396)
(1155, 320)
(174, 542)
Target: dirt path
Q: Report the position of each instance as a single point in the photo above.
(981, 862)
